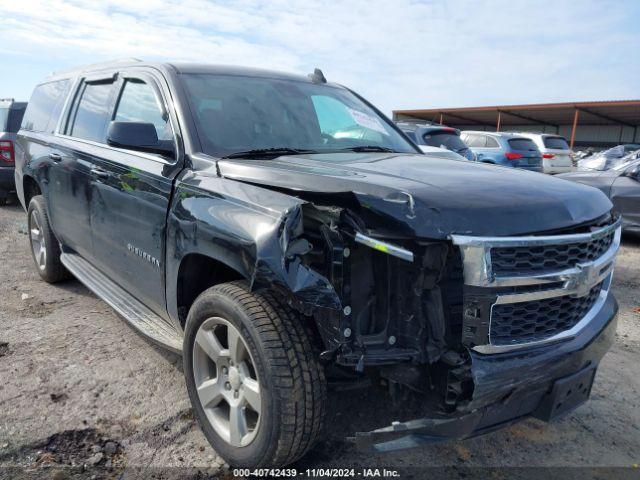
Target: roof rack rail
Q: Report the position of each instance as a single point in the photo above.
(107, 63)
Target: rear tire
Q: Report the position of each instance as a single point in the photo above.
(279, 363)
(45, 248)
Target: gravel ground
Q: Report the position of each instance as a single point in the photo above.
(79, 387)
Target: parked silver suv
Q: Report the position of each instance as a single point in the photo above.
(556, 154)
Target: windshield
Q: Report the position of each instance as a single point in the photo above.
(238, 114)
(4, 117)
(448, 140)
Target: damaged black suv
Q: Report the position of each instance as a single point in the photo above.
(273, 228)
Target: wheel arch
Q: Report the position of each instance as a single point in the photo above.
(30, 188)
(196, 273)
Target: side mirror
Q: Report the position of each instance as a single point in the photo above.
(139, 136)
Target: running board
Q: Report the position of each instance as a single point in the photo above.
(132, 310)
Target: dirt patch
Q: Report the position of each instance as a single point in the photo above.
(34, 308)
(84, 449)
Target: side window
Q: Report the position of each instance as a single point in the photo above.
(45, 106)
(475, 141)
(92, 112)
(492, 142)
(139, 103)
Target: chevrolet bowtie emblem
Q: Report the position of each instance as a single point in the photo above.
(585, 279)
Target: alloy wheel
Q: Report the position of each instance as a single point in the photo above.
(227, 382)
(38, 244)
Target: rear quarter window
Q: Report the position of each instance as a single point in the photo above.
(522, 144)
(492, 143)
(557, 143)
(45, 106)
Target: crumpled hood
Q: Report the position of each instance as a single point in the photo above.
(432, 197)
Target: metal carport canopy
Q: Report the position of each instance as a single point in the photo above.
(616, 112)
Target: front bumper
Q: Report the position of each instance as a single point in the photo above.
(507, 387)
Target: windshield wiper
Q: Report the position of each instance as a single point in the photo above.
(268, 152)
(368, 148)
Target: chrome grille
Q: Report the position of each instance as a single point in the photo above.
(524, 260)
(513, 323)
(523, 291)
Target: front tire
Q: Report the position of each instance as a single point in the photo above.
(45, 248)
(256, 386)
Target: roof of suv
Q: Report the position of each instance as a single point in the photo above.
(182, 68)
(541, 135)
(508, 135)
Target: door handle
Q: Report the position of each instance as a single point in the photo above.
(98, 172)
(55, 157)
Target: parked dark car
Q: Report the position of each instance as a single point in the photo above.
(11, 113)
(439, 136)
(621, 184)
(506, 149)
(279, 231)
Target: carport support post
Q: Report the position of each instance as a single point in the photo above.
(573, 129)
(498, 123)
(441, 120)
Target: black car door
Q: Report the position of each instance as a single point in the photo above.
(68, 188)
(131, 191)
(625, 195)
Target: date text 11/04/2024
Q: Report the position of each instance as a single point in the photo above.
(317, 472)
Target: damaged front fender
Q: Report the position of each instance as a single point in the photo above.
(253, 230)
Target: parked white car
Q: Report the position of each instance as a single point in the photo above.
(556, 154)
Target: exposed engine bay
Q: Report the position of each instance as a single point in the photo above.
(402, 316)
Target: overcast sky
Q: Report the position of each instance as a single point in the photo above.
(397, 53)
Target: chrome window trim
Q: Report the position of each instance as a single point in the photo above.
(143, 155)
(141, 74)
(577, 281)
